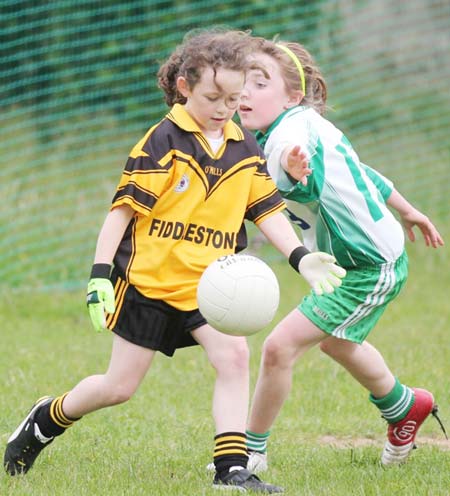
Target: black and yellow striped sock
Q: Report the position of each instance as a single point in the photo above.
(51, 419)
(230, 451)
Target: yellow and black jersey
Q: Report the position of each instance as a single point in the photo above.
(190, 205)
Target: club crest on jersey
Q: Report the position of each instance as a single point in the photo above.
(183, 185)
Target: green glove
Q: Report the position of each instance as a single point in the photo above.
(100, 297)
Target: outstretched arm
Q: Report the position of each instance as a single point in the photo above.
(295, 162)
(318, 268)
(411, 217)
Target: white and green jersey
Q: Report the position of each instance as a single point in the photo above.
(342, 210)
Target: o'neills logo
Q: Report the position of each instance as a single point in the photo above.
(194, 233)
(214, 171)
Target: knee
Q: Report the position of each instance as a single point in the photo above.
(239, 356)
(274, 353)
(326, 347)
(233, 358)
(116, 394)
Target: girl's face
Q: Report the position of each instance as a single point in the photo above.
(264, 99)
(214, 99)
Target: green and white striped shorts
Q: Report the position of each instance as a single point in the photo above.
(353, 309)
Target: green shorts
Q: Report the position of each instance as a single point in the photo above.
(353, 309)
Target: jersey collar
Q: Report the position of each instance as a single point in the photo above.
(179, 116)
(261, 137)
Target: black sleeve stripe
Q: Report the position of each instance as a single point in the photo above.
(272, 194)
(134, 186)
(143, 172)
(144, 199)
(143, 164)
(259, 215)
(133, 201)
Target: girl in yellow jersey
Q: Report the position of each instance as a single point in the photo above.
(187, 187)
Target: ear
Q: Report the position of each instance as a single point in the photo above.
(183, 87)
(294, 99)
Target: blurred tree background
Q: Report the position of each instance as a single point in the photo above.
(79, 89)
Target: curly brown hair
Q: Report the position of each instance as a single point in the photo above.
(200, 49)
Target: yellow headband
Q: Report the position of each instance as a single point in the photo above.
(297, 63)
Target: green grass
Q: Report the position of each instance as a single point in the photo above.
(327, 440)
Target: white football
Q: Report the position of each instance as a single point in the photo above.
(238, 294)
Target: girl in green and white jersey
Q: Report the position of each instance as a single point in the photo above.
(341, 206)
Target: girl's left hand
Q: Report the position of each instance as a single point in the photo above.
(430, 234)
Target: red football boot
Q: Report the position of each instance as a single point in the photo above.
(401, 435)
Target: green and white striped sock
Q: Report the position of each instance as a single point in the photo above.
(396, 404)
(257, 442)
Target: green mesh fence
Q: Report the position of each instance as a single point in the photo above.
(79, 89)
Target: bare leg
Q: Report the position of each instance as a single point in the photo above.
(363, 361)
(293, 336)
(229, 356)
(128, 366)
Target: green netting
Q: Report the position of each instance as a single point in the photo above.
(79, 89)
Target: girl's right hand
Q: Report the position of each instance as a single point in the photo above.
(100, 299)
(295, 163)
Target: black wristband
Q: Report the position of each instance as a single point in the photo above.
(296, 255)
(101, 270)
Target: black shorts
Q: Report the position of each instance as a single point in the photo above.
(151, 323)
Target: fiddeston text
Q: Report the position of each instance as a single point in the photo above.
(201, 235)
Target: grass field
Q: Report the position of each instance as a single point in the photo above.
(327, 440)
